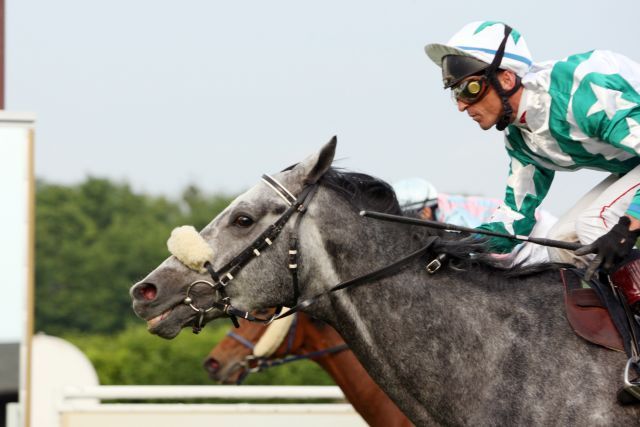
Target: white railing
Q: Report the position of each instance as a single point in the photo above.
(87, 406)
(202, 392)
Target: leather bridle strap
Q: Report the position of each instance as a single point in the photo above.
(280, 189)
(293, 256)
(262, 363)
(242, 340)
(360, 280)
(226, 273)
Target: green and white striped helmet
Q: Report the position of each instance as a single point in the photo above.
(481, 40)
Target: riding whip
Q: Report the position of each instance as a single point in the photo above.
(451, 227)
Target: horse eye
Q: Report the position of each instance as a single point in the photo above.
(243, 221)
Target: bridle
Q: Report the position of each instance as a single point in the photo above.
(251, 363)
(297, 205)
(225, 274)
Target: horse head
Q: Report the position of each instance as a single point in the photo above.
(180, 292)
(245, 349)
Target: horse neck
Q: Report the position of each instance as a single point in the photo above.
(310, 338)
(339, 244)
(348, 374)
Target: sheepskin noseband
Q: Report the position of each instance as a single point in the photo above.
(272, 339)
(190, 248)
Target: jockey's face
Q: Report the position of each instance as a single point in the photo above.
(487, 111)
(426, 213)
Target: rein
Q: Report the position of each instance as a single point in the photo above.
(360, 280)
(224, 275)
(258, 364)
(459, 228)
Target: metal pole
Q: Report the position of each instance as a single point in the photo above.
(450, 227)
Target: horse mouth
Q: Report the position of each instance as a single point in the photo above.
(169, 323)
(155, 321)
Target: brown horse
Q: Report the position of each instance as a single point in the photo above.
(233, 358)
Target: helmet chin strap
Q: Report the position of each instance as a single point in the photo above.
(507, 111)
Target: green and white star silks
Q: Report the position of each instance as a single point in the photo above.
(581, 112)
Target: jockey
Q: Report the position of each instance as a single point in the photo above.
(579, 112)
(418, 197)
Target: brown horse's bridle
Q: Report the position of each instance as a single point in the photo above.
(251, 364)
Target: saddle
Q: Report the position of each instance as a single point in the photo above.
(587, 315)
(600, 314)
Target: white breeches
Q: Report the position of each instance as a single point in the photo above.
(594, 215)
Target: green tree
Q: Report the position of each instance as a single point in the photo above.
(133, 356)
(200, 208)
(94, 240)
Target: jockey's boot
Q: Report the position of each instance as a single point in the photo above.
(627, 278)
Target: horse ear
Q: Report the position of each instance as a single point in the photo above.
(317, 165)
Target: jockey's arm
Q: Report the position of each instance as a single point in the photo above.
(527, 185)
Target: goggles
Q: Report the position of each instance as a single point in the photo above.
(456, 68)
(470, 90)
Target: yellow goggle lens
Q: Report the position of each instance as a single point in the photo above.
(469, 91)
(474, 88)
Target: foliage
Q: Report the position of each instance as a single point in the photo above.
(134, 356)
(94, 240)
(202, 208)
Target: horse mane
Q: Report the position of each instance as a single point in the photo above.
(364, 191)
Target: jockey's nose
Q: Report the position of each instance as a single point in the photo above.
(144, 292)
(461, 105)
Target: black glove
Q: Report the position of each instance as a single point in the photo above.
(610, 248)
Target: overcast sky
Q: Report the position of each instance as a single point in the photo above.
(165, 93)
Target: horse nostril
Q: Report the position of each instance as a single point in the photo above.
(211, 365)
(146, 291)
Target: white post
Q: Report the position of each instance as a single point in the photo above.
(17, 254)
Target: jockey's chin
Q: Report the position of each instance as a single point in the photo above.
(485, 121)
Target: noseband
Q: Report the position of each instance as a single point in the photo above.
(224, 275)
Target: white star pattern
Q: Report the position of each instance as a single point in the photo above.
(633, 139)
(521, 181)
(507, 217)
(608, 100)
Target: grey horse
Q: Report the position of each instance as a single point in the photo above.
(472, 344)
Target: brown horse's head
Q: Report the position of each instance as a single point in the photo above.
(233, 358)
(240, 351)
(245, 348)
